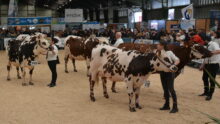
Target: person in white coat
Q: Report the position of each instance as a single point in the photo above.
(119, 40)
(211, 64)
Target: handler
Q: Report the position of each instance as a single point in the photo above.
(211, 64)
(167, 80)
(52, 58)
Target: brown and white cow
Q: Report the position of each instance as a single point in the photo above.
(78, 48)
(23, 53)
(132, 67)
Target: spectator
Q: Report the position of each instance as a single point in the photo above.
(118, 39)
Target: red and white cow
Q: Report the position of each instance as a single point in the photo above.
(131, 66)
(78, 48)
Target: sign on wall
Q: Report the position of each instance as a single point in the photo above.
(29, 21)
(73, 15)
(187, 24)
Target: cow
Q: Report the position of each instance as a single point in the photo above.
(79, 48)
(184, 53)
(23, 53)
(132, 66)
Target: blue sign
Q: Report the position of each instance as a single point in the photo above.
(29, 21)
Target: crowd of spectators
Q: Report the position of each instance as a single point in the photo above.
(180, 36)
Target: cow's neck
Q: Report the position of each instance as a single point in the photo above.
(142, 65)
(184, 59)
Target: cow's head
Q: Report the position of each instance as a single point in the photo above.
(199, 52)
(162, 62)
(42, 45)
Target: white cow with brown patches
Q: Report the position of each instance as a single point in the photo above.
(23, 53)
(132, 67)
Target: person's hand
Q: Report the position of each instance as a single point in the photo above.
(201, 67)
(213, 52)
(51, 48)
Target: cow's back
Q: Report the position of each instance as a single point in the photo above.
(75, 47)
(111, 62)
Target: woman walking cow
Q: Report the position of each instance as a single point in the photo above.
(212, 66)
(52, 58)
(167, 80)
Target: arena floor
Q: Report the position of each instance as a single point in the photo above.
(69, 102)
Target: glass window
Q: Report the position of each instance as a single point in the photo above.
(180, 2)
(156, 4)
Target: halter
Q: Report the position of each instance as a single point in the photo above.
(39, 44)
(168, 66)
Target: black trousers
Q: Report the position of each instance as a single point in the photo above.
(167, 80)
(209, 85)
(53, 68)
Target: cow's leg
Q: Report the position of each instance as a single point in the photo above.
(113, 87)
(74, 65)
(130, 95)
(66, 58)
(31, 73)
(104, 81)
(137, 94)
(23, 76)
(92, 83)
(18, 73)
(88, 66)
(9, 69)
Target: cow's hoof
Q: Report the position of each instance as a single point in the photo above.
(75, 70)
(24, 84)
(66, 72)
(114, 91)
(132, 110)
(30, 83)
(138, 106)
(19, 77)
(106, 96)
(92, 99)
(8, 79)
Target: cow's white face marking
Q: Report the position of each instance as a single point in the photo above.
(41, 47)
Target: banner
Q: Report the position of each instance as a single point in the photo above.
(91, 25)
(187, 12)
(29, 21)
(58, 21)
(73, 15)
(13, 8)
(214, 20)
(186, 24)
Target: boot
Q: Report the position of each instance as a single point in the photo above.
(209, 97)
(166, 106)
(175, 108)
(206, 92)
